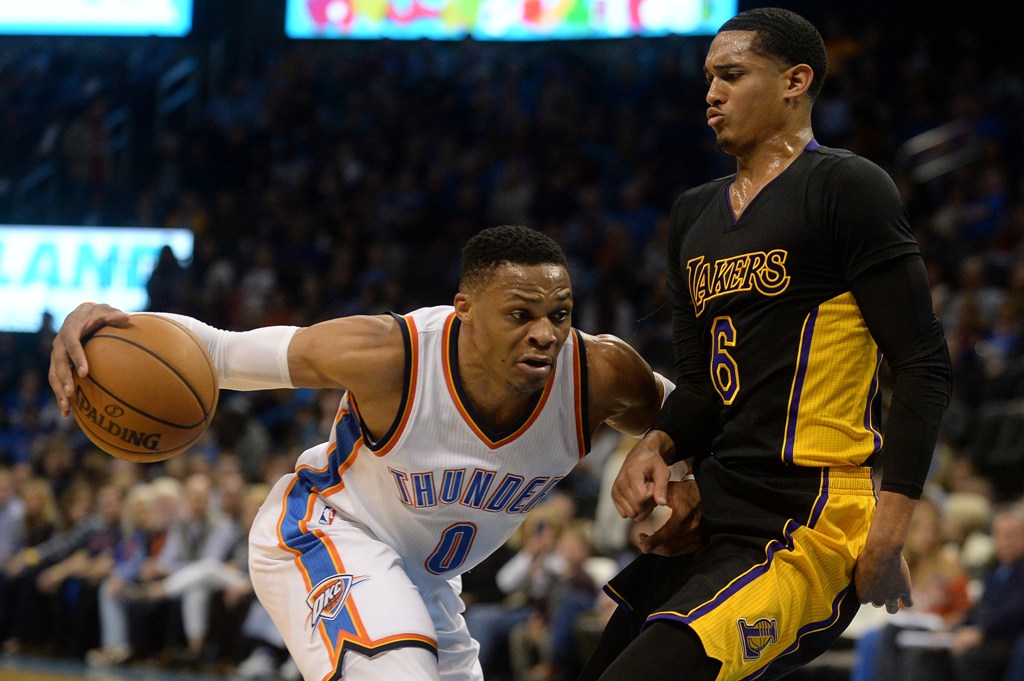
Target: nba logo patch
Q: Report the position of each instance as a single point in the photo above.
(757, 636)
(327, 516)
(327, 599)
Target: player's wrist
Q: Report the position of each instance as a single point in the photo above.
(659, 443)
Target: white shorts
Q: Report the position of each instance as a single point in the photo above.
(333, 589)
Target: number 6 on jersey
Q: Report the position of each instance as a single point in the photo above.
(725, 375)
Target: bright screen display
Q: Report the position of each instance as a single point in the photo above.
(56, 268)
(504, 19)
(169, 18)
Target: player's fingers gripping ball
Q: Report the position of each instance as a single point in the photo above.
(151, 390)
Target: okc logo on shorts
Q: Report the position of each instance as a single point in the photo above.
(327, 599)
(757, 636)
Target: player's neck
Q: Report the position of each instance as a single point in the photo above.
(763, 162)
(499, 409)
(494, 402)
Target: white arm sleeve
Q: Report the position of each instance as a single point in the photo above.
(680, 470)
(245, 360)
(668, 386)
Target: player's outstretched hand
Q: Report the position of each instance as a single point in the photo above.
(68, 355)
(680, 532)
(642, 482)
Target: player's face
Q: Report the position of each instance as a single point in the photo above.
(520, 319)
(746, 102)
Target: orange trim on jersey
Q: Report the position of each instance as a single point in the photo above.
(335, 649)
(349, 460)
(449, 381)
(395, 434)
(306, 467)
(577, 389)
(331, 448)
(280, 521)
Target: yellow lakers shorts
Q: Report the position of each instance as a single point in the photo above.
(773, 587)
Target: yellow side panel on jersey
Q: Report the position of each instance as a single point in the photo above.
(829, 420)
(764, 613)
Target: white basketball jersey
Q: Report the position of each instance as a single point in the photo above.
(439, 487)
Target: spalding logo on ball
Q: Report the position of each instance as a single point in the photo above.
(151, 390)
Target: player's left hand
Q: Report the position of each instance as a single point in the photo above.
(642, 482)
(680, 532)
(881, 576)
(883, 579)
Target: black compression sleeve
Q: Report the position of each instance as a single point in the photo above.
(690, 414)
(895, 300)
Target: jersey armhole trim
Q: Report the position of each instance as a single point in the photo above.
(410, 339)
(581, 387)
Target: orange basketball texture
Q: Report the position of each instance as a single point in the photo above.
(151, 390)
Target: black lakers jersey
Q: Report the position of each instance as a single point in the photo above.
(768, 299)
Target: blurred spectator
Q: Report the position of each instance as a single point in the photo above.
(141, 540)
(36, 607)
(166, 285)
(524, 580)
(201, 533)
(12, 516)
(968, 516)
(940, 596)
(196, 582)
(73, 582)
(980, 648)
(86, 162)
(544, 646)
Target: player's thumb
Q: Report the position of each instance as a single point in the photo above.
(659, 485)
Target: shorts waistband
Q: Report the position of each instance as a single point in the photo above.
(841, 479)
(856, 479)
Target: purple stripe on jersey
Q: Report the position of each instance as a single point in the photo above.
(804, 630)
(819, 505)
(872, 391)
(812, 145)
(798, 385)
(737, 584)
(775, 546)
(619, 600)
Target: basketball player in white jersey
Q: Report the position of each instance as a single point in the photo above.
(457, 420)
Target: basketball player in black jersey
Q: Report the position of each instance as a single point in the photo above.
(789, 280)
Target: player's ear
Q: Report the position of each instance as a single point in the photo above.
(798, 80)
(463, 303)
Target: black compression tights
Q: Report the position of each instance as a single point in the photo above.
(662, 652)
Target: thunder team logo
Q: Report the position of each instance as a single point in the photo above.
(763, 272)
(757, 636)
(327, 599)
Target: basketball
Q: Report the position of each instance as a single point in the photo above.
(151, 390)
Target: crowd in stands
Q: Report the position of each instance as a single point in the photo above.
(332, 179)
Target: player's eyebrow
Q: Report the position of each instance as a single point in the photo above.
(721, 67)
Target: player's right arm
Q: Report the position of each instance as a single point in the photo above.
(689, 417)
(365, 354)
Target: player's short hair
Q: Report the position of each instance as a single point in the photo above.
(785, 36)
(510, 244)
